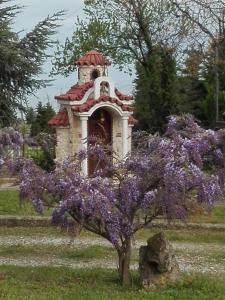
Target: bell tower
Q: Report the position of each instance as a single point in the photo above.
(91, 66)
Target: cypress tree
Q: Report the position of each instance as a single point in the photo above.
(156, 90)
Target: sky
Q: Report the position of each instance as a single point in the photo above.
(35, 11)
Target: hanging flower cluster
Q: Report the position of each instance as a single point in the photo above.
(10, 143)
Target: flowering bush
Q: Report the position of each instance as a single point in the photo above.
(13, 143)
(124, 197)
(10, 143)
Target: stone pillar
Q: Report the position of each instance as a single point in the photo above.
(84, 135)
(125, 135)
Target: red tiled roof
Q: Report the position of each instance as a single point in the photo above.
(93, 58)
(76, 92)
(121, 96)
(132, 120)
(60, 119)
(91, 102)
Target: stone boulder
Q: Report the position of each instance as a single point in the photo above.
(157, 263)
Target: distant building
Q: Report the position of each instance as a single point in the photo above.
(93, 107)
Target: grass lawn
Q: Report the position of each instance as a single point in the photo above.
(186, 235)
(32, 231)
(66, 283)
(59, 251)
(62, 283)
(95, 283)
(216, 216)
(10, 205)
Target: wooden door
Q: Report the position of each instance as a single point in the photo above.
(99, 127)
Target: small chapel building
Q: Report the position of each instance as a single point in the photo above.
(93, 107)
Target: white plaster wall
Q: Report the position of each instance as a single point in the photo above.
(129, 138)
(85, 72)
(117, 135)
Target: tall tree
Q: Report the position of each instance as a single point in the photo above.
(125, 30)
(21, 59)
(156, 91)
(30, 115)
(131, 32)
(214, 73)
(207, 18)
(197, 84)
(39, 123)
(193, 88)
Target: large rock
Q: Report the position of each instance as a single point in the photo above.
(157, 263)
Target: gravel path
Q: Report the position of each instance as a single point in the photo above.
(9, 184)
(53, 241)
(82, 242)
(190, 256)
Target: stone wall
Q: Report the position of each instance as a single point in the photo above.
(85, 73)
(63, 143)
(76, 135)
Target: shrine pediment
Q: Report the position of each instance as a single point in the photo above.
(81, 93)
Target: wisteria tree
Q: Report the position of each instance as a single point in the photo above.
(160, 177)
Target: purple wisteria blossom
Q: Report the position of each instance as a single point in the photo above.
(10, 143)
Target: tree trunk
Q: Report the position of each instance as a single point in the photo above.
(124, 254)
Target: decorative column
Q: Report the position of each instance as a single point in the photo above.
(125, 135)
(84, 135)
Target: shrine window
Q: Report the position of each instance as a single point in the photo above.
(95, 74)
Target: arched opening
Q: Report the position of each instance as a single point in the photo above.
(95, 74)
(99, 129)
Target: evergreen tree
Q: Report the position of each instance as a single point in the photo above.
(197, 84)
(30, 117)
(156, 90)
(39, 124)
(214, 73)
(193, 93)
(193, 88)
(21, 59)
(48, 114)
